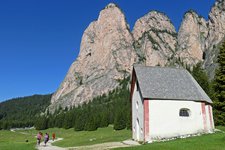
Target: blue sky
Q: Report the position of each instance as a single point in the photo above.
(39, 39)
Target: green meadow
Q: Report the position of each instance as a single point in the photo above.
(215, 141)
(73, 138)
(17, 140)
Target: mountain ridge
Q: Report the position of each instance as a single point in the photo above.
(109, 49)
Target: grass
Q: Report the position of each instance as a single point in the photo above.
(101, 135)
(16, 141)
(70, 137)
(221, 128)
(214, 141)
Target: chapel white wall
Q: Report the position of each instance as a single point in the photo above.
(165, 122)
(137, 113)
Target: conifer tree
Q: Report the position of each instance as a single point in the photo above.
(0, 125)
(80, 120)
(219, 88)
(128, 123)
(41, 123)
(104, 118)
(90, 124)
(201, 77)
(51, 121)
(5, 125)
(68, 120)
(120, 120)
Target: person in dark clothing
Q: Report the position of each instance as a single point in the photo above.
(46, 138)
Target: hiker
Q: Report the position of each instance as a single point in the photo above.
(53, 136)
(46, 138)
(41, 134)
(39, 138)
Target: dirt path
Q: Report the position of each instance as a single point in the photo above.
(13, 130)
(102, 146)
(49, 145)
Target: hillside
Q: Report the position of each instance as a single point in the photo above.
(112, 108)
(22, 112)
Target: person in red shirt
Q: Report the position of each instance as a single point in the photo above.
(53, 136)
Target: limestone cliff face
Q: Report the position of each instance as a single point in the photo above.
(216, 34)
(155, 39)
(216, 24)
(106, 55)
(191, 38)
(108, 50)
(198, 39)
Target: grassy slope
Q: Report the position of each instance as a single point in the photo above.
(206, 142)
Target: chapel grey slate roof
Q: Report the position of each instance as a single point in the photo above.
(169, 83)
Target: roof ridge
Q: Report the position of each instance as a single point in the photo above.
(143, 66)
(169, 83)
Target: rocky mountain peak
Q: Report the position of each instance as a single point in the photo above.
(108, 50)
(219, 4)
(216, 21)
(153, 20)
(112, 14)
(191, 37)
(155, 39)
(111, 5)
(216, 34)
(106, 56)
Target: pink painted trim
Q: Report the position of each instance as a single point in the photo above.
(204, 116)
(146, 119)
(210, 116)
